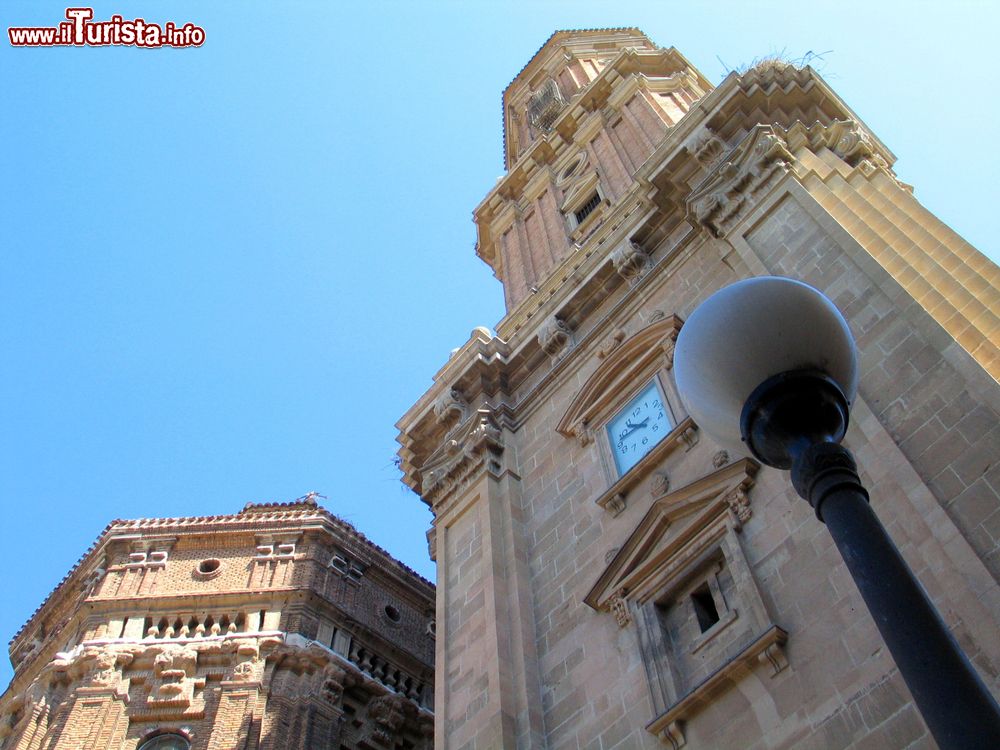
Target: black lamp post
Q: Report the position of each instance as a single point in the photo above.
(768, 365)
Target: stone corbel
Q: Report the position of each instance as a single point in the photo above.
(673, 735)
(92, 581)
(773, 655)
(619, 608)
(739, 507)
(616, 504)
(387, 714)
(555, 337)
(707, 149)
(614, 340)
(851, 142)
(432, 542)
(669, 344)
(689, 437)
(738, 501)
(450, 406)
(584, 435)
(630, 261)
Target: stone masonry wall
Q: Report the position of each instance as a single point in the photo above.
(942, 411)
(594, 689)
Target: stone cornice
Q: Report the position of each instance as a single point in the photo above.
(731, 106)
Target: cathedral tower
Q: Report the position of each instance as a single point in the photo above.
(607, 577)
(277, 628)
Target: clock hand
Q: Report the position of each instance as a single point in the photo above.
(634, 427)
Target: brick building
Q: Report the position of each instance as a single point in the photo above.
(595, 594)
(276, 628)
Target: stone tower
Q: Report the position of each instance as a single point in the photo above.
(280, 627)
(601, 586)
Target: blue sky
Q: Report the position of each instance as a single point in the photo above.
(228, 270)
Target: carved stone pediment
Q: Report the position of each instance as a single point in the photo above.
(671, 532)
(475, 445)
(729, 190)
(630, 362)
(685, 548)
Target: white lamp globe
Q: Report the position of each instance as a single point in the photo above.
(748, 332)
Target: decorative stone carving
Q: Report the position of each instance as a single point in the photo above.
(619, 608)
(610, 554)
(92, 581)
(584, 435)
(720, 459)
(689, 437)
(616, 505)
(246, 671)
(852, 143)
(660, 484)
(478, 444)
(386, 712)
(669, 344)
(432, 542)
(555, 337)
(708, 148)
(616, 338)
(848, 140)
(630, 261)
(739, 506)
(102, 671)
(333, 683)
(451, 405)
(722, 199)
(174, 672)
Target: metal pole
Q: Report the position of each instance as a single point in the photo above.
(957, 707)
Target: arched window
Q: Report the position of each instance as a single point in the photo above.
(166, 742)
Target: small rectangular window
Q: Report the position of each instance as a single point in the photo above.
(704, 607)
(587, 208)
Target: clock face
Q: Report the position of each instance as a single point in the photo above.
(638, 427)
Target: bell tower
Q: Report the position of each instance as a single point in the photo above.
(606, 575)
(573, 137)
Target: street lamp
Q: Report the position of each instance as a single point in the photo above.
(768, 365)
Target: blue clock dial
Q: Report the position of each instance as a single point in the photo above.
(638, 427)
